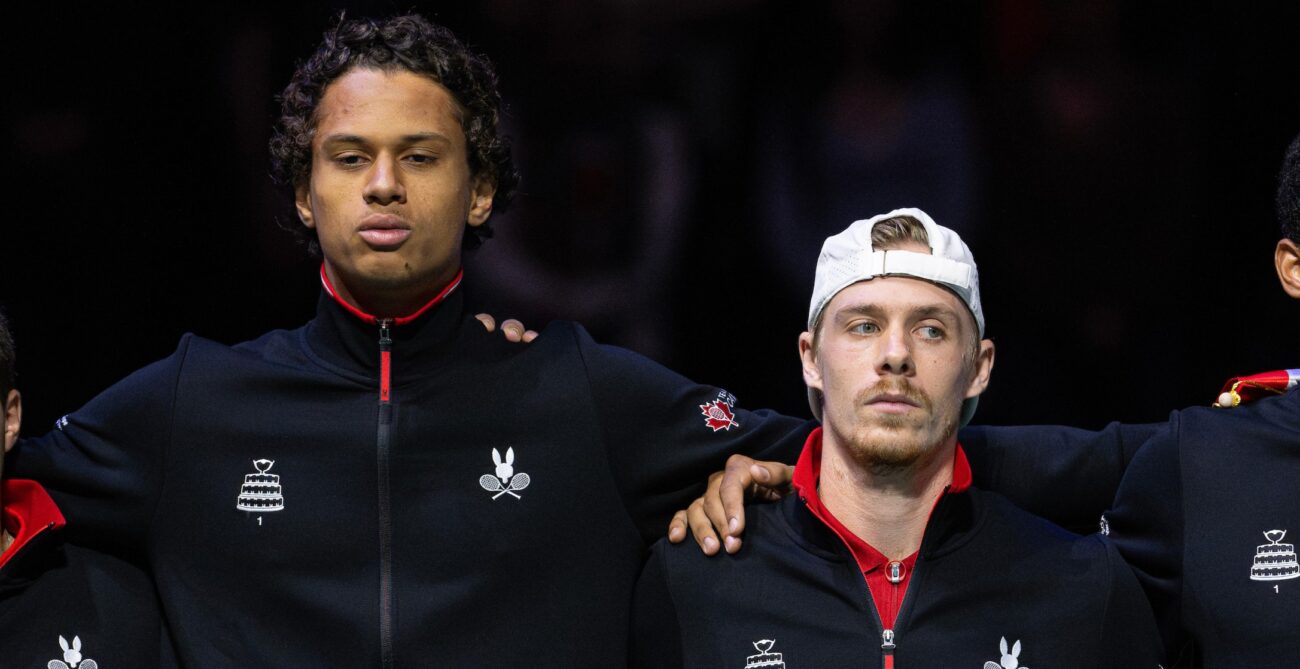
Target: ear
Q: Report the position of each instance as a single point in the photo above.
(76, 643)
(983, 369)
(1286, 258)
(1002, 645)
(13, 416)
(812, 374)
(1015, 650)
(302, 202)
(496, 456)
(480, 204)
(63, 642)
(510, 456)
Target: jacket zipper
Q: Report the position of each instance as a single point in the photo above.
(888, 636)
(385, 498)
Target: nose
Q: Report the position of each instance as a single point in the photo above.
(895, 353)
(384, 183)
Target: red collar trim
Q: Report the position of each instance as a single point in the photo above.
(28, 511)
(400, 320)
(807, 473)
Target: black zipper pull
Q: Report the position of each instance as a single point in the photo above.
(887, 648)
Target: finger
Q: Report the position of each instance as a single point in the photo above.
(713, 508)
(701, 528)
(489, 323)
(513, 329)
(530, 335)
(772, 474)
(735, 480)
(677, 527)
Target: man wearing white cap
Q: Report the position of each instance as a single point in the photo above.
(886, 551)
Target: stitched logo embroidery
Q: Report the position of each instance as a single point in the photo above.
(765, 658)
(72, 656)
(506, 481)
(261, 491)
(1009, 660)
(720, 413)
(1275, 561)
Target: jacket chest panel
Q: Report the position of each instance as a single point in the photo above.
(817, 627)
(269, 482)
(1242, 515)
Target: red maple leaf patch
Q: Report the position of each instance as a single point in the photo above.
(718, 415)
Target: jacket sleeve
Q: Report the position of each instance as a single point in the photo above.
(665, 434)
(656, 639)
(1128, 635)
(103, 464)
(1146, 525)
(1066, 475)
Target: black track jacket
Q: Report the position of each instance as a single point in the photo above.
(66, 604)
(993, 587)
(494, 508)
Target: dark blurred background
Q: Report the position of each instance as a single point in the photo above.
(1112, 165)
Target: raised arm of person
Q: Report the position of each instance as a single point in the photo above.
(104, 464)
(666, 434)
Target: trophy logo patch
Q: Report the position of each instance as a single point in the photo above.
(765, 659)
(720, 413)
(261, 491)
(1275, 561)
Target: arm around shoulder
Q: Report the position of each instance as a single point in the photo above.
(666, 434)
(1064, 474)
(103, 464)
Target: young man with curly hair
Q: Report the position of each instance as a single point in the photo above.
(389, 484)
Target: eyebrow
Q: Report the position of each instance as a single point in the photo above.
(344, 138)
(925, 311)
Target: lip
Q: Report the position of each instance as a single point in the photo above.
(892, 403)
(384, 232)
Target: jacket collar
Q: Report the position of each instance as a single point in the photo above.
(32, 519)
(343, 336)
(952, 521)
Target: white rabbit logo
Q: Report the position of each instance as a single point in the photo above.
(1009, 660)
(71, 656)
(504, 469)
(509, 482)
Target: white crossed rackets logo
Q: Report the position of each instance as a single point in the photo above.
(506, 481)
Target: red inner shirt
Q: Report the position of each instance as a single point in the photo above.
(28, 511)
(886, 592)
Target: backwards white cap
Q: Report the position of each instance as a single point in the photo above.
(848, 258)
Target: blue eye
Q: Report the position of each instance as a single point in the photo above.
(865, 328)
(931, 332)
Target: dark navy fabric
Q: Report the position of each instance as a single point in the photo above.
(1066, 475)
(1191, 516)
(986, 571)
(100, 603)
(453, 566)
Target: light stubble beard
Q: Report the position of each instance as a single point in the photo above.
(896, 443)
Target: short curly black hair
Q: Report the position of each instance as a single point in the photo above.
(412, 43)
(1288, 193)
(7, 376)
